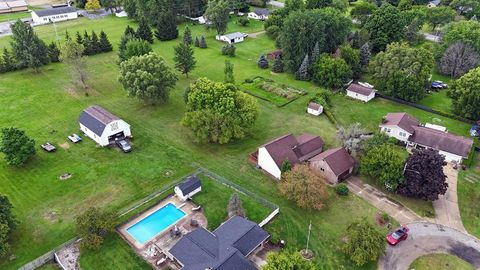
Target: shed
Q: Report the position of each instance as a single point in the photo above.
(360, 92)
(186, 189)
(102, 126)
(314, 108)
(232, 38)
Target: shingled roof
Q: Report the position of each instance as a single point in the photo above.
(190, 184)
(362, 90)
(54, 11)
(443, 141)
(403, 120)
(338, 159)
(96, 118)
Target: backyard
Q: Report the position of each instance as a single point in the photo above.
(47, 106)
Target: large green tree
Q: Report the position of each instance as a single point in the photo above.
(16, 146)
(218, 112)
(184, 59)
(144, 32)
(217, 12)
(385, 26)
(331, 72)
(287, 261)
(147, 77)
(166, 26)
(71, 53)
(365, 243)
(93, 225)
(466, 95)
(29, 49)
(137, 47)
(467, 8)
(440, 16)
(467, 32)
(402, 71)
(385, 164)
(8, 223)
(362, 10)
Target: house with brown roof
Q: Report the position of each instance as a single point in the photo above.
(360, 92)
(271, 155)
(409, 130)
(335, 165)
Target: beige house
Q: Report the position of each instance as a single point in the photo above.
(335, 165)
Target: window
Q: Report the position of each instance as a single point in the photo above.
(403, 134)
(322, 169)
(387, 130)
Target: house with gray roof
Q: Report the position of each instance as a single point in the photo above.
(189, 187)
(231, 38)
(58, 14)
(226, 248)
(259, 14)
(102, 126)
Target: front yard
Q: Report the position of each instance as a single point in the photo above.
(468, 197)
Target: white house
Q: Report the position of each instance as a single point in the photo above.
(360, 92)
(232, 38)
(186, 189)
(399, 126)
(314, 109)
(259, 14)
(103, 127)
(433, 3)
(59, 14)
(295, 150)
(121, 14)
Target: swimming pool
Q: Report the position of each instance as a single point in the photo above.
(155, 223)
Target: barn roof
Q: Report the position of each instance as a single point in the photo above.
(96, 118)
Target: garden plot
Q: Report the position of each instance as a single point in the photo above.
(269, 90)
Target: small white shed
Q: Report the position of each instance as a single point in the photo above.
(314, 108)
(360, 92)
(186, 189)
(102, 126)
(232, 38)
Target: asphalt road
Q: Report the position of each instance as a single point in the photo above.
(426, 238)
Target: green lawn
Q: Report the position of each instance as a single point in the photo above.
(49, 266)
(47, 106)
(440, 262)
(438, 100)
(468, 194)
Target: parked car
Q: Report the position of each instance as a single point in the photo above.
(397, 236)
(75, 138)
(48, 147)
(438, 85)
(124, 145)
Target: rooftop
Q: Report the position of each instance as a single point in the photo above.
(261, 11)
(96, 118)
(362, 90)
(338, 159)
(234, 35)
(54, 11)
(190, 184)
(442, 141)
(403, 120)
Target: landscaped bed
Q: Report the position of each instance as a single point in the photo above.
(276, 93)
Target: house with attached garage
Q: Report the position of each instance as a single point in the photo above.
(416, 136)
(259, 14)
(360, 92)
(50, 15)
(232, 38)
(270, 156)
(186, 189)
(334, 165)
(102, 126)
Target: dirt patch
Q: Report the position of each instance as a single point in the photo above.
(65, 145)
(69, 255)
(51, 216)
(382, 219)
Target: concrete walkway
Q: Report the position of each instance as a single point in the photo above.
(380, 200)
(446, 207)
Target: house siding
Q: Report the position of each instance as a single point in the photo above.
(55, 18)
(360, 96)
(321, 167)
(266, 162)
(396, 132)
(185, 197)
(111, 129)
(315, 112)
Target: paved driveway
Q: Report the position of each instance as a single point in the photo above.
(426, 238)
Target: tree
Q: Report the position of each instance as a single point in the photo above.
(277, 65)
(243, 21)
(352, 58)
(166, 27)
(129, 31)
(184, 59)
(468, 8)
(402, 71)
(8, 224)
(78, 38)
(235, 207)
(144, 32)
(262, 62)
(467, 32)
(228, 72)
(315, 52)
(71, 54)
(465, 95)
(362, 10)
(16, 146)
(286, 166)
(111, 5)
(365, 54)
(352, 138)
(122, 47)
(378, 139)
(7, 62)
(385, 164)
(405, 5)
(302, 73)
(217, 13)
(147, 77)
(314, 4)
(440, 16)
(137, 47)
(218, 112)
(53, 53)
(303, 186)
(294, 5)
(197, 42)
(95, 44)
(287, 261)
(87, 44)
(385, 26)
(365, 243)
(238, 5)
(424, 177)
(458, 59)
(411, 32)
(30, 51)
(104, 43)
(341, 5)
(229, 50)
(331, 72)
(92, 5)
(203, 43)
(93, 225)
(187, 36)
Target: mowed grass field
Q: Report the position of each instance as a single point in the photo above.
(440, 262)
(47, 106)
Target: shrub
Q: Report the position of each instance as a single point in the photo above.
(273, 31)
(243, 21)
(342, 189)
(262, 62)
(229, 50)
(330, 116)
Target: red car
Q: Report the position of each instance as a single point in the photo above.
(397, 236)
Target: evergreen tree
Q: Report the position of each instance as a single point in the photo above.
(197, 42)
(286, 166)
(79, 38)
(184, 59)
(9, 61)
(316, 52)
(203, 42)
(365, 54)
(228, 72)
(122, 47)
(53, 53)
(187, 36)
(166, 27)
(262, 62)
(144, 32)
(278, 65)
(129, 31)
(95, 44)
(302, 72)
(87, 44)
(29, 49)
(229, 50)
(137, 47)
(235, 207)
(105, 45)
(67, 35)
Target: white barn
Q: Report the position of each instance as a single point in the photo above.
(314, 109)
(232, 38)
(59, 14)
(259, 14)
(186, 189)
(103, 127)
(360, 92)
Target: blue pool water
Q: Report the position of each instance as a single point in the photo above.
(156, 222)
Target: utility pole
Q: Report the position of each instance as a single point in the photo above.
(309, 230)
